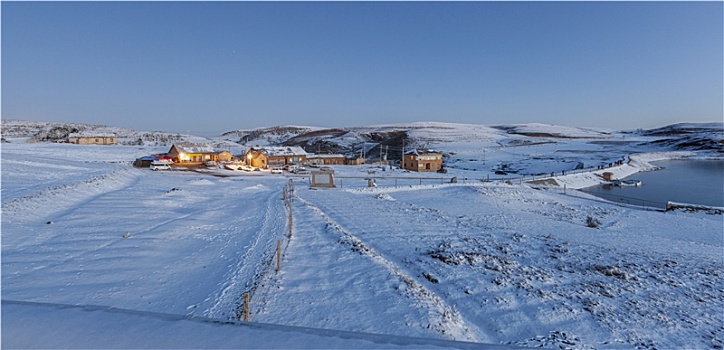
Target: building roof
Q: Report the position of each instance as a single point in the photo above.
(281, 151)
(91, 134)
(314, 155)
(187, 147)
(421, 152)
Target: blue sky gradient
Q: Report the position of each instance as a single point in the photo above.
(219, 66)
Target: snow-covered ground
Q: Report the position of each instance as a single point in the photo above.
(484, 262)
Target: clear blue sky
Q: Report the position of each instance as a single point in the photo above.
(212, 67)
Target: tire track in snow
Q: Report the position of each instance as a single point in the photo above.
(443, 318)
(54, 202)
(46, 201)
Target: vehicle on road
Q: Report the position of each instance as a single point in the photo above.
(159, 165)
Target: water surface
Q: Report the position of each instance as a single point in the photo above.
(682, 181)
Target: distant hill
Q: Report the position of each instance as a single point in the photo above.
(274, 135)
(57, 132)
(377, 141)
(689, 136)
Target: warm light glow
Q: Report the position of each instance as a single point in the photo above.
(248, 156)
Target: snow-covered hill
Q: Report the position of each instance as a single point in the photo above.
(31, 131)
(275, 135)
(376, 140)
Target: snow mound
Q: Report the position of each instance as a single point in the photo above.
(384, 196)
(258, 187)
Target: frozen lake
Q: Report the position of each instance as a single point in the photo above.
(683, 181)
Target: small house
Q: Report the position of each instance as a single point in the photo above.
(224, 156)
(354, 160)
(422, 161)
(92, 139)
(265, 157)
(326, 159)
(190, 153)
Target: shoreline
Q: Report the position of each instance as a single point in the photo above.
(638, 162)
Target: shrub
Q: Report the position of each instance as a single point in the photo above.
(592, 222)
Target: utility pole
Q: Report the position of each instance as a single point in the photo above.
(402, 153)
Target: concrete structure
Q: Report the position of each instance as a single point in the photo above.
(322, 178)
(422, 161)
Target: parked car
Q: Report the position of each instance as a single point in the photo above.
(277, 170)
(159, 165)
(301, 171)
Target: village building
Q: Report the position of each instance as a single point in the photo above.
(92, 139)
(422, 161)
(326, 159)
(195, 153)
(224, 156)
(265, 157)
(354, 160)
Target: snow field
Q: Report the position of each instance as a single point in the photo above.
(515, 263)
(484, 262)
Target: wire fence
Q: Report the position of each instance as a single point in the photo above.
(272, 262)
(374, 179)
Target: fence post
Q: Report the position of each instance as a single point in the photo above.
(246, 306)
(279, 255)
(291, 220)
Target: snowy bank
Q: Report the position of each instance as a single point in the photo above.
(637, 163)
